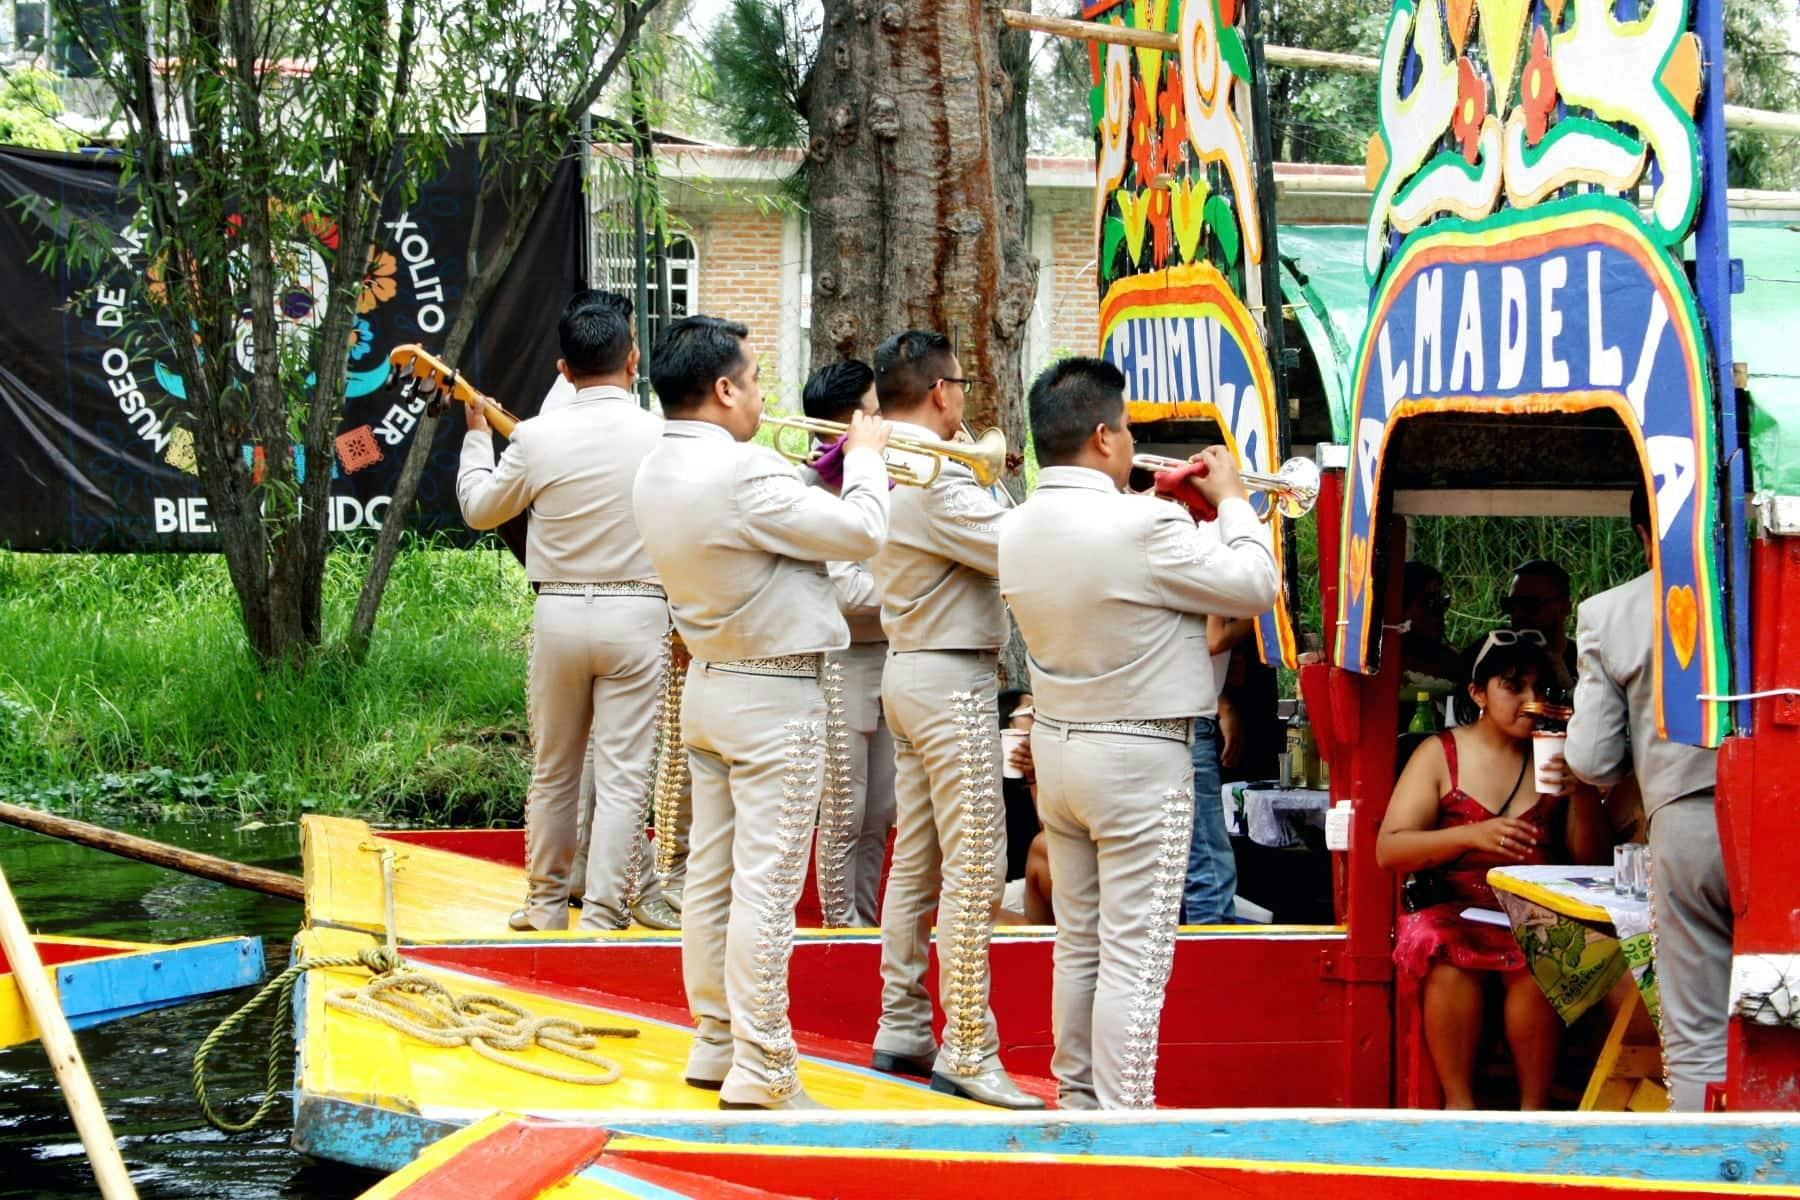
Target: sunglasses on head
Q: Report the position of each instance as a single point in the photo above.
(1506, 637)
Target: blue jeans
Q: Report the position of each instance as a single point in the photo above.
(1211, 869)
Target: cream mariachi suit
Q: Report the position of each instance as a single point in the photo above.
(1110, 592)
(941, 609)
(560, 394)
(740, 542)
(600, 651)
(854, 822)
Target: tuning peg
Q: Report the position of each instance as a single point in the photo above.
(450, 383)
(393, 376)
(428, 386)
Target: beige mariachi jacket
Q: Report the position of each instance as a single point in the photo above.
(1111, 592)
(936, 575)
(741, 542)
(573, 468)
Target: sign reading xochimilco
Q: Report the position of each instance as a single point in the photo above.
(1182, 232)
(1514, 271)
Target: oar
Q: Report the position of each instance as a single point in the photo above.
(207, 866)
(65, 1055)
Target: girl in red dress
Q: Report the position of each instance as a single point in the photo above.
(1467, 801)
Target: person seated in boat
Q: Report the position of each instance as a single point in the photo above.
(1025, 900)
(1424, 601)
(1467, 802)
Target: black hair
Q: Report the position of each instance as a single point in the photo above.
(595, 332)
(907, 365)
(1511, 661)
(1009, 700)
(1069, 399)
(1543, 568)
(1418, 575)
(836, 390)
(693, 355)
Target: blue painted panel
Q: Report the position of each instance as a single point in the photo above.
(362, 1135)
(1748, 1149)
(640, 1188)
(108, 989)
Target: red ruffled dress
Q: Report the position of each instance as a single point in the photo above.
(1441, 931)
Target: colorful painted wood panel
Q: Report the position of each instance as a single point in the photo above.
(1182, 232)
(1515, 271)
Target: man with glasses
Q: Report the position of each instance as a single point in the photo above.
(1424, 602)
(945, 624)
(1539, 600)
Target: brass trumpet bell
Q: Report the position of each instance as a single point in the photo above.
(985, 456)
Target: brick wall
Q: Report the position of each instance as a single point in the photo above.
(1074, 295)
(740, 274)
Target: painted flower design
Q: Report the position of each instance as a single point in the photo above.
(323, 228)
(1471, 108)
(362, 339)
(378, 281)
(1174, 125)
(1159, 226)
(1537, 89)
(1144, 148)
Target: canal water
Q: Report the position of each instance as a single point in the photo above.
(140, 1065)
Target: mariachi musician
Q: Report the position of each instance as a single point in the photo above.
(741, 542)
(599, 624)
(1111, 593)
(857, 811)
(941, 610)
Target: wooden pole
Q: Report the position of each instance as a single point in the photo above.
(1736, 115)
(257, 879)
(64, 1054)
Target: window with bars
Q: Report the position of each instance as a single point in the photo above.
(616, 270)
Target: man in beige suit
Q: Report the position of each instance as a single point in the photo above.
(857, 811)
(1614, 733)
(1111, 593)
(941, 610)
(599, 623)
(741, 542)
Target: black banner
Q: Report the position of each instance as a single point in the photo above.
(96, 449)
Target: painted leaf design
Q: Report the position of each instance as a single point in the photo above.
(1224, 226)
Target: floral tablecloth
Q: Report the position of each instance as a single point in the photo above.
(1577, 934)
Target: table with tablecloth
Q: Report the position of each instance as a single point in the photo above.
(1579, 938)
(1271, 815)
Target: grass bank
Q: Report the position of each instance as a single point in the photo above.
(126, 679)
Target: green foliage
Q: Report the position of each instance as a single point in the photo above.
(762, 54)
(1322, 116)
(1762, 70)
(123, 680)
(29, 107)
(1063, 105)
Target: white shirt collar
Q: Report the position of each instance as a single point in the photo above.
(1076, 477)
(604, 391)
(697, 429)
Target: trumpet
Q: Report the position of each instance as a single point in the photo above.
(1292, 489)
(986, 455)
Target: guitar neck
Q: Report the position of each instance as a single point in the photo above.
(502, 421)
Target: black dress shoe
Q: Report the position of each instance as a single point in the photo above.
(901, 1064)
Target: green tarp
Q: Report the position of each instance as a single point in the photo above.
(1322, 281)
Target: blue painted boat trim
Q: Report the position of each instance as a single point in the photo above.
(362, 1135)
(632, 1186)
(1744, 1148)
(107, 989)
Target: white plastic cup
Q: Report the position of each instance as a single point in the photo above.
(1337, 826)
(1008, 739)
(1544, 747)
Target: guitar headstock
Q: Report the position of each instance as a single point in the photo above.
(417, 371)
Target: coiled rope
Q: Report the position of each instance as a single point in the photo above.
(418, 1006)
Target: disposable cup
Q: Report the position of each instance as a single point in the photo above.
(1008, 739)
(1544, 747)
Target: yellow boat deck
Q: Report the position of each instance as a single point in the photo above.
(439, 896)
(350, 1057)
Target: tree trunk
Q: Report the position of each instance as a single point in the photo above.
(917, 182)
